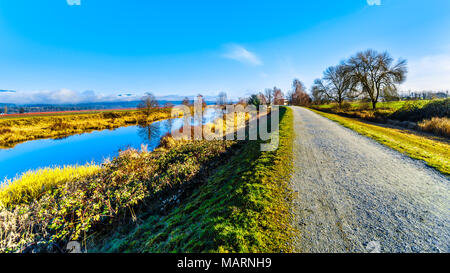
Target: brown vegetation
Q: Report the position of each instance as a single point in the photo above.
(439, 126)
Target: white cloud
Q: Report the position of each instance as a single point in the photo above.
(241, 54)
(63, 96)
(374, 2)
(429, 73)
(74, 2)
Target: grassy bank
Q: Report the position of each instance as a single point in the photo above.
(241, 207)
(194, 196)
(16, 130)
(435, 153)
(392, 106)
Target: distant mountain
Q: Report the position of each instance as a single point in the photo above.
(33, 108)
(180, 98)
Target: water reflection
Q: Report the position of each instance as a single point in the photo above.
(149, 133)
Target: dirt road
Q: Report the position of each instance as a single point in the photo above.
(355, 195)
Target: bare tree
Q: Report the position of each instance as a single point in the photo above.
(337, 85)
(376, 74)
(317, 95)
(268, 94)
(262, 98)
(222, 99)
(148, 104)
(298, 95)
(242, 101)
(186, 101)
(278, 96)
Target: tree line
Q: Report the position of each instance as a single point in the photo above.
(368, 75)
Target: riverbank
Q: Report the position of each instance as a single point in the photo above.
(17, 130)
(188, 196)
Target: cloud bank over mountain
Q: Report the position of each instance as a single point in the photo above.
(62, 96)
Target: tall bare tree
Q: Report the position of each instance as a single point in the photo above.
(222, 99)
(269, 97)
(337, 84)
(148, 104)
(262, 98)
(376, 74)
(317, 95)
(278, 96)
(298, 95)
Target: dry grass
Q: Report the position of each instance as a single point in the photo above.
(439, 126)
(35, 183)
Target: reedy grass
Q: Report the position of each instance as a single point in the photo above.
(32, 184)
(439, 126)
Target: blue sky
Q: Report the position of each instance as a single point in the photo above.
(71, 50)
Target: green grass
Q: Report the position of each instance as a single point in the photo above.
(242, 207)
(389, 105)
(435, 153)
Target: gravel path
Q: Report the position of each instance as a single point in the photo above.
(355, 194)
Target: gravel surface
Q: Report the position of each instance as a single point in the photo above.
(355, 195)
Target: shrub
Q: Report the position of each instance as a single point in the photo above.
(111, 115)
(417, 111)
(59, 125)
(5, 131)
(440, 126)
(346, 106)
(364, 106)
